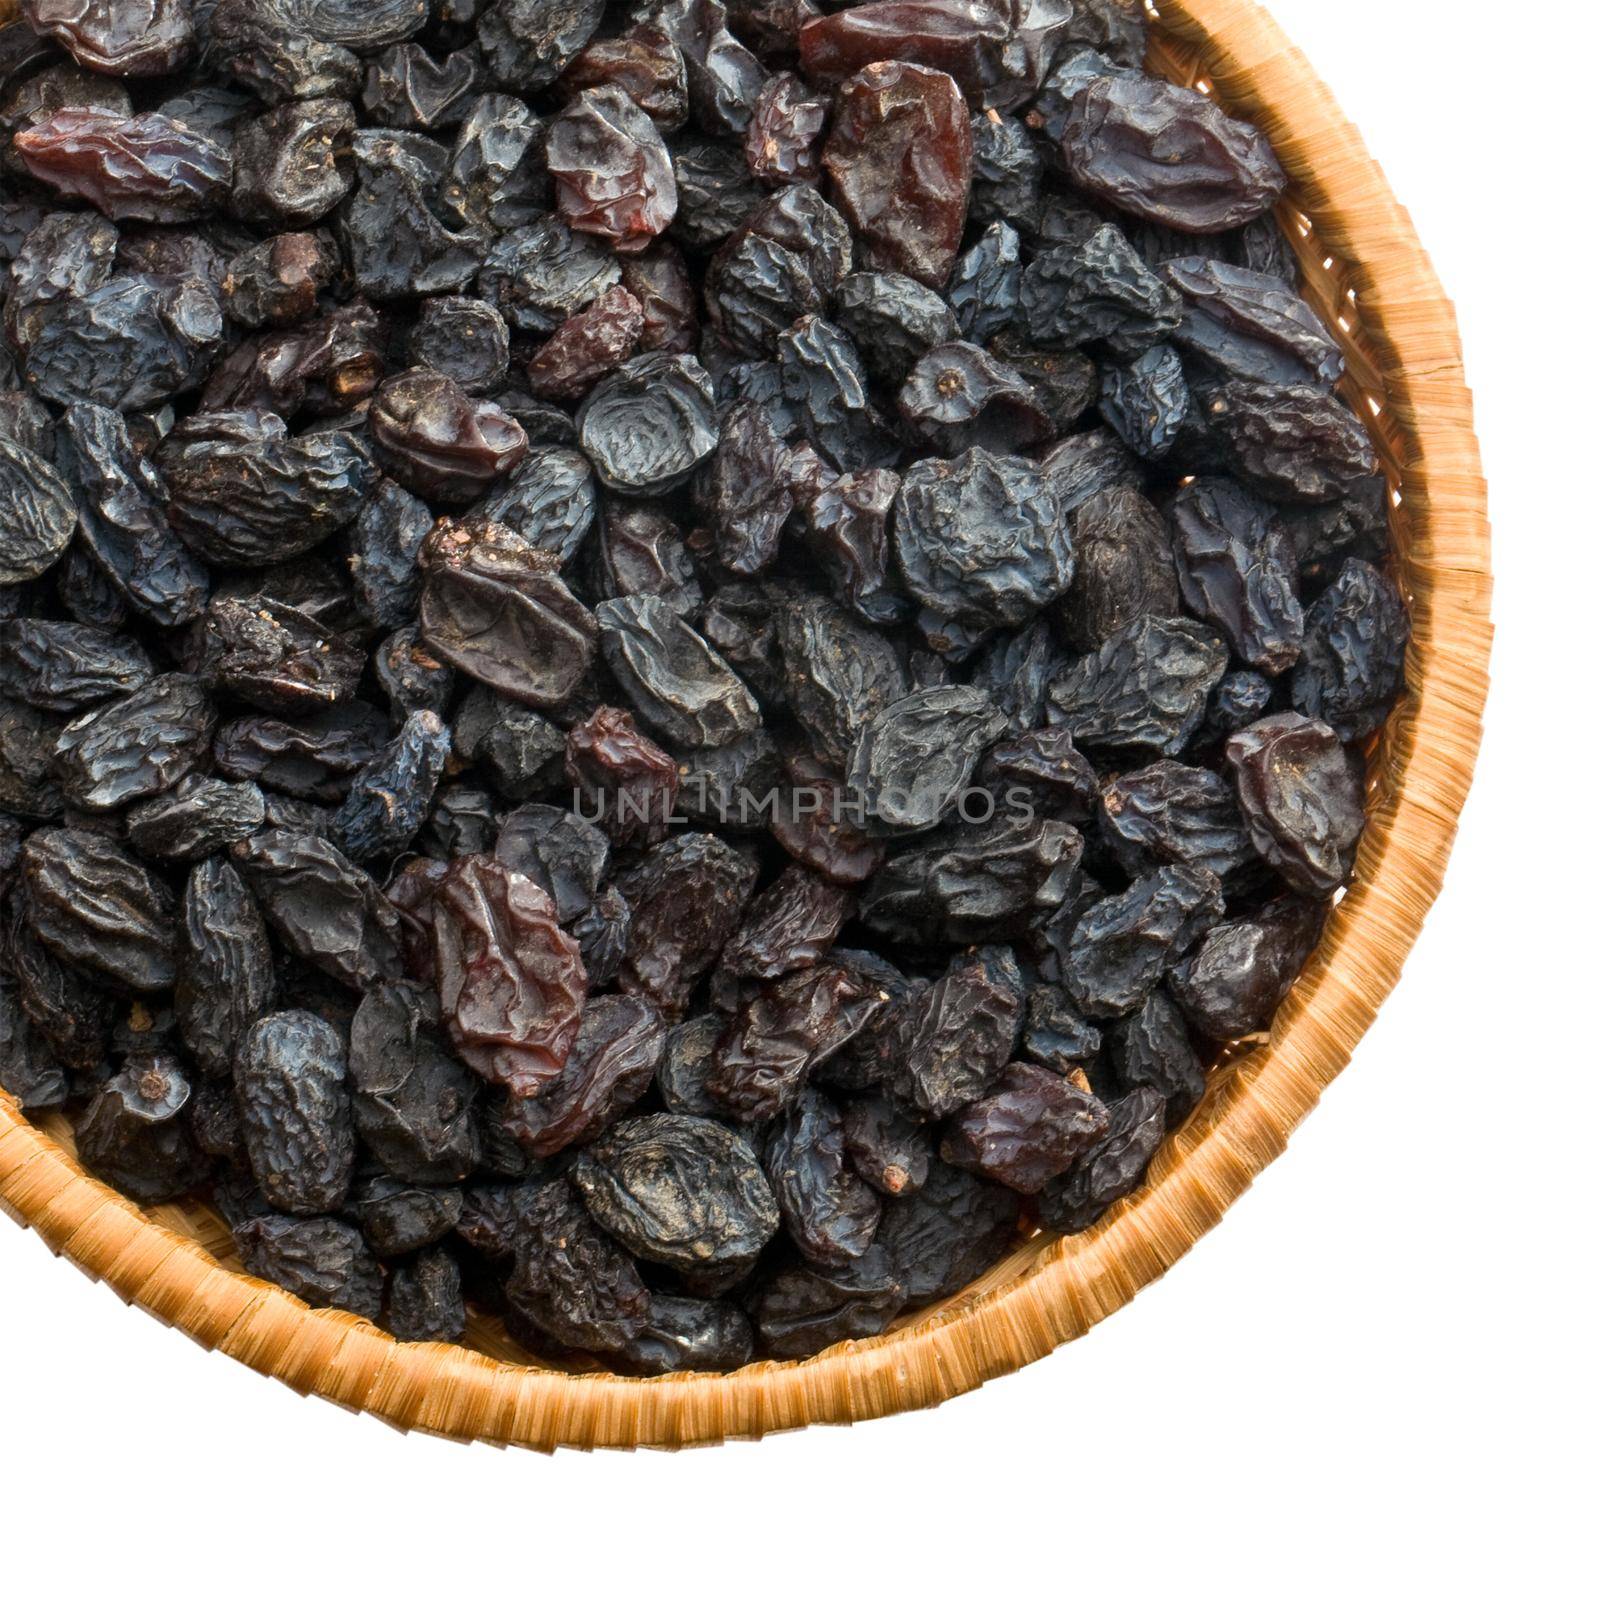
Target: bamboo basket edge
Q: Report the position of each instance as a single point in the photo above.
(1406, 355)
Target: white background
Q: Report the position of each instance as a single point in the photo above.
(1374, 1378)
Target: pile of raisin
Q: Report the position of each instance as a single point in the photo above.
(665, 669)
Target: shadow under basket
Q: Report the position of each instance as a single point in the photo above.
(1367, 275)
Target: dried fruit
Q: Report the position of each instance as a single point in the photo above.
(146, 168)
(295, 1112)
(612, 172)
(900, 158)
(511, 983)
(1301, 794)
(633, 640)
(1169, 155)
(1030, 1130)
(682, 1191)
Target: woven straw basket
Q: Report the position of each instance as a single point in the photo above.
(1368, 276)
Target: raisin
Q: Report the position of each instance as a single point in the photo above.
(1169, 155)
(802, 1308)
(1251, 325)
(146, 168)
(782, 1033)
(27, 1071)
(225, 976)
(391, 796)
(528, 44)
(839, 673)
(724, 77)
(1096, 291)
(1113, 1169)
(571, 1283)
(612, 172)
(1168, 814)
(134, 1133)
(959, 397)
(913, 759)
(950, 1231)
(511, 983)
(1145, 688)
(129, 42)
(323, 907)
(137, 746)
(564, 854)
(588, 346)
(1301, 794)
(643, 62)
(1126, 568)
(313, 760)
(424, 1299)
(295, 1111)
(493, 607)
(550, 502)
(411, 1101)
(894, 321)
(686, 1335)
(981, 539)
(242, 491)
(890, 1150)
(292, 166)
(40, 515)
(780, 143)
(681, 1191)
(650, 424)
(65, 666)
(407, 87)
(1352, 669)
(1295, 443)
(789, 925)
(679, 684)
(1122, 947)
(322, 1260)
(627, 781)
(900, 159)
(744, 491)
(613, 1062)
(1237, 571)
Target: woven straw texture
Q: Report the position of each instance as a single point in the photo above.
(1368, 275)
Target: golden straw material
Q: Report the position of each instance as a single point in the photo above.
(1368, 274)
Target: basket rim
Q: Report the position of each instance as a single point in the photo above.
(1408, 332)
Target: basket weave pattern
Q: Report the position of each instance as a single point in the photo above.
(1366, 273)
